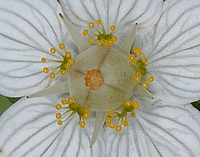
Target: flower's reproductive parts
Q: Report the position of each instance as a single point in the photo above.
(102, 78)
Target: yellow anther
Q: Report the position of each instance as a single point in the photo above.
(62, 46)
(58, 106)
(91, 25)
(137, 51)
(111, 125)
(98, 22)
(105, 43)
(68, 54)
(114, 38)
(108, 120)
(110, 113)
(82, 124)
(64, 101)
(145, 60)
(52, 75)
(125, 122)
(135, 104)
(150, 79)
(110, 43)
(52, 50)
(145, 85)
(45, 70)
(43, 60)
(85, 32)
(59, 122)
(112, 28)
(63, 72)
(58, 115)
(70, 100)
(118, 128)
(132, 57)
(91, 40)
(133, 114)
(137, 79)
(127, 103)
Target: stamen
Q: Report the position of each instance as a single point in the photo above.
(73, 107)
(94, 79)
(64, 63)
(101, 38)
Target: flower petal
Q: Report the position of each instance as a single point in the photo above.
(124, 14)
(29, 128)
(173, 51)
(26, 36)
(158, 130)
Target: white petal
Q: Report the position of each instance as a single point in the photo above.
(173, 50)
(26, 36)
(124, 14)
(29, 128)
(159, 130)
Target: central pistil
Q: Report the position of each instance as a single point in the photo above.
(94, 79)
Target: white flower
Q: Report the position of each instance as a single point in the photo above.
(33, 33)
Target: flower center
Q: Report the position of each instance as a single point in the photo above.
(94, 79)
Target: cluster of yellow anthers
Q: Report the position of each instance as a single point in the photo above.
(102, 38)
(64, 63)
(70, 105)
(140, 61)
(117, 120)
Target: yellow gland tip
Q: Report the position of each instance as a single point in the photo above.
(150, 79)
(64, 101)
(91, 40)
(118, 128)
(52, 50)
(85, 32)
(59, 122)
(62, 46)
(91, 25)
(108, 120)
(68, 54)
(135, 104)
(86, 115)
(110, 113)
(114, 39)
(132, 57)
(111, 125)
(98, 22)
(137, 79)
(63, 72)
(137, 51)
(43, 60)
(67, 65)
(112, 28)
(133, 114)
(58, 115)
(52, 75)
(138, 74)
(145, 60)
(127, 103)
(145, 85)
(82, 124)
(45, 70)
(70, 100)
(58, 106)
(87, 110)
(125, 122)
